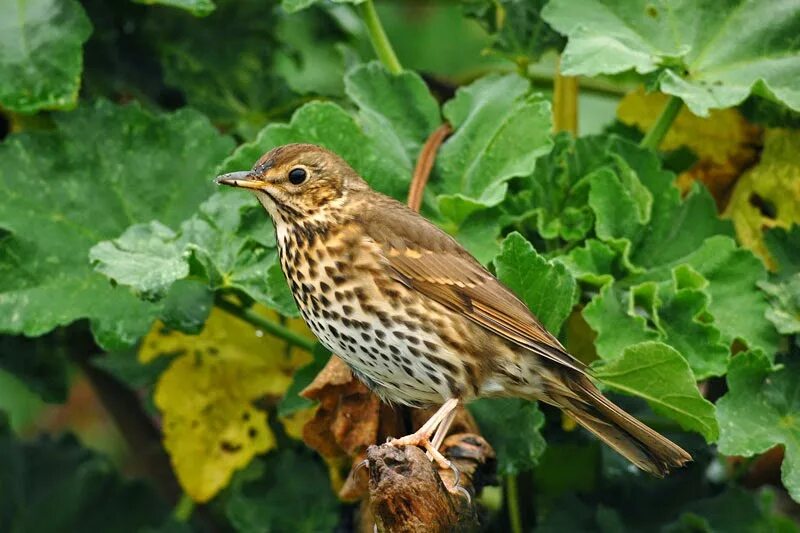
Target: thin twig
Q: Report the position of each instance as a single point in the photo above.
(422, 171)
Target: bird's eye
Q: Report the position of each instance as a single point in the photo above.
(297, 176)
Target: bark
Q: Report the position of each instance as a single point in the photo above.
(409, 494)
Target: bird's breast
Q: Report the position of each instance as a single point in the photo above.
(385, 332)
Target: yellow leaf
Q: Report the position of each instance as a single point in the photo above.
(768, 195)
(208, 396)
(724, 142)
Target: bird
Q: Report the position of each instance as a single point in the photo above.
(414, 315)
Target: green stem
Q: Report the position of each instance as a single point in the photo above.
(380, 42)
(184, 509)
(662, 124)
(512, 502)
(273, 328)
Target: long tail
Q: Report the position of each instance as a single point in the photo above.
(647, 449)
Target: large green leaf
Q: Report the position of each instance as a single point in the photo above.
(49, 486)
(41, 57)
(711, 54)
(101, 170)
(39, 363)
(275, 494)
(547, 288)
(359, 139)
(292, 6)
(518, 450)
(658, 373)
(501, 128)
(199, 8)
(517, 28)
(223, 63)
(762, 410)
(228, 244)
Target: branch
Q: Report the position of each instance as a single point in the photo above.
(408, 494)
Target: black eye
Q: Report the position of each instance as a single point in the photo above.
(297, 176)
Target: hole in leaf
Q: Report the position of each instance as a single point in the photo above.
(764, 205)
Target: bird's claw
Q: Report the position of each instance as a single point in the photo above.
(359, 466)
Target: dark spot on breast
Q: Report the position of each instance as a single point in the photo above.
(430, 345)
(399, 334)
(338, 280)
(324, 287)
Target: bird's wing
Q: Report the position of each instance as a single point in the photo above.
(425, 259)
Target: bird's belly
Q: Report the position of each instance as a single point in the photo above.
(390, 367)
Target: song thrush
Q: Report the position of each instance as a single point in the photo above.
(413, 314)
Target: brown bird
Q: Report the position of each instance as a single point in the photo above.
(413, 314)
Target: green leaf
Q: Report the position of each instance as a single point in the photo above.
(490, 116)
(360, 142)
(547, 288)
(734, 510)
(228, 244)
(223, 63)
(555, 195)
(735, 302)
(398, 111)
(595, 263)
(275, 494)
(658, 373)
(292, 401)
(518, 450)
(711, 55)
(187, 305)
(41, 63)
(292, 6)
(198, 8)
(146, 257)
(784, 311)
(38, 363)
(101, 170)
(760, 410)
(56, 485)
(784, 247)
(518, 31)
(313, 53)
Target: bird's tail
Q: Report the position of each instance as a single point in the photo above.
(642, 446)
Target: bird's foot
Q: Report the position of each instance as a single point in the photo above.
(423, 439)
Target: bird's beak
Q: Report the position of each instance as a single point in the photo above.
(244, 179)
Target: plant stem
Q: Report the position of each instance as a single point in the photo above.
(565, 102)
(512, 501)
(184, 509)
(273, 328)
(662, 124)
(380, 42)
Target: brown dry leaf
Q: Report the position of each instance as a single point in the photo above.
(208, 396)
(724, 142)
(768, 195)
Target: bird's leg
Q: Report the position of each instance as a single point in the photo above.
(422, 437)
(444, 427)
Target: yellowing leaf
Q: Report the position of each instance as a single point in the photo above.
(724, 142)
(768, 195)
(208, 396)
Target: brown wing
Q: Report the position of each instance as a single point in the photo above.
(426, 259)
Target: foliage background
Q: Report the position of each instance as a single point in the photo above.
(150, 357)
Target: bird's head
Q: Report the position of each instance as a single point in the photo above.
(296, 182)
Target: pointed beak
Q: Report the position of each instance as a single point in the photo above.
(244, 179)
